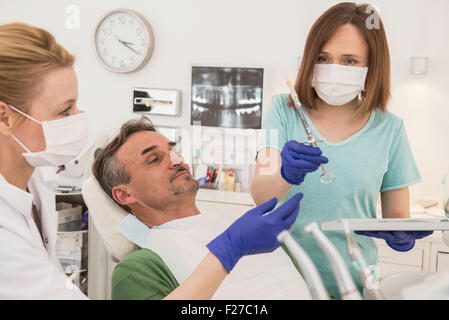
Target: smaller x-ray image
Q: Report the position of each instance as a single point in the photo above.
(227, 97)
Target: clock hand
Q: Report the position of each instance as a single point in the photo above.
(122, 41)
(131, 48)
(126, 44)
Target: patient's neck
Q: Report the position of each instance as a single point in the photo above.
(180, 208)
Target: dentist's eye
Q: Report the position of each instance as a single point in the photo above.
(66, 112)
(351, 61)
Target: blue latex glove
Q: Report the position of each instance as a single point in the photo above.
(255, 232)
(398, 240)
(299, 159)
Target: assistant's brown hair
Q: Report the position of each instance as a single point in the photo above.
(108, 171)
(377, 86)
(27, 53)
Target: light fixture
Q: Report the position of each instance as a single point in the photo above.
(418, 65)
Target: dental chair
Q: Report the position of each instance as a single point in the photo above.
(107, 245)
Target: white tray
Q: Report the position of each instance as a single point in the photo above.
(387, 224)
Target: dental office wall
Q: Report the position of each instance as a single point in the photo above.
(259, 33)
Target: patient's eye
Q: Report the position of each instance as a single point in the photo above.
(153, 160)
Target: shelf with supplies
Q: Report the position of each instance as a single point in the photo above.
(72, 244)
(230, 178)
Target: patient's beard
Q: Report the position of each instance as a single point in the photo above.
(189, 185)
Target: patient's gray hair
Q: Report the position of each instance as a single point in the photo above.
(108, 171)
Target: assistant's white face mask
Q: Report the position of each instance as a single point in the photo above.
(64, 139)
(338, 84)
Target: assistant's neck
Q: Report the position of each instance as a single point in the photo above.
(346, 115)
(13, 166)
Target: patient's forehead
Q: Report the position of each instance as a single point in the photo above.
(132, 149)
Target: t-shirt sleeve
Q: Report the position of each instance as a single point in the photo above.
(402, 171)
(142, 276)
(274, 129)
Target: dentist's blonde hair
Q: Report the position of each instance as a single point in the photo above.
(27, 53)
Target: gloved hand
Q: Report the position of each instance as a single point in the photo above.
(398, 240)
(255, 232)
(299, 159)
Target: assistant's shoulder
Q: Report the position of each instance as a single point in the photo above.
(279, 101)
(388, 121)
(279, 107)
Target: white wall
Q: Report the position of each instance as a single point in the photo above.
(263, 33)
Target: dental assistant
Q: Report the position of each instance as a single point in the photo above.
(344, 87)
(40, 125)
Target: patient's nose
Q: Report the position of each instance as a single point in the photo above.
(175, 158)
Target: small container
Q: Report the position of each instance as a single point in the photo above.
(229, 182)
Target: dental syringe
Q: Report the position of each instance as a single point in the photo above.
(346, 285)
(368, 276)
(326, 177)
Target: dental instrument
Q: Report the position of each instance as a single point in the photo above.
(368, 276)
(346, 285)
(326, 177)
(308, 269)
(387, 224)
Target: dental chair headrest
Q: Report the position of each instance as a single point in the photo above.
(107, 216)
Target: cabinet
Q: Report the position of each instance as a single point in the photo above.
(72, 243)
(429, 255)
(439, 256)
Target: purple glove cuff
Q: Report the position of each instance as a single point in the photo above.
(223, 251)
(401, 247)
(296, 183)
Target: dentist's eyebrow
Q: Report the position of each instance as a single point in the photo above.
(149, 149)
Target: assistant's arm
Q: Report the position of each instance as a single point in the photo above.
(396, 203)
(268, 182)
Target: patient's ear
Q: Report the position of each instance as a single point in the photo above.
(120, 194)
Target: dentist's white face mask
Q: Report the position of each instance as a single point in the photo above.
(338, 84)
(64, 140)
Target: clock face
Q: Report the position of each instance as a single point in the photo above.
(123, 41)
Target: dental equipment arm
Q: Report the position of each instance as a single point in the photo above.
(368, 276)
(346, 285)
(308, 269)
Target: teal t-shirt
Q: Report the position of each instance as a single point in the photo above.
(376, 159)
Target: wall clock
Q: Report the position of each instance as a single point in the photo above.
(123, 41)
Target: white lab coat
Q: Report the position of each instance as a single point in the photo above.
(28, 268)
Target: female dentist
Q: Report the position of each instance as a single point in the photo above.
(344, 86)
(40, 125)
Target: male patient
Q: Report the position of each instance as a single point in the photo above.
(141, 172)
